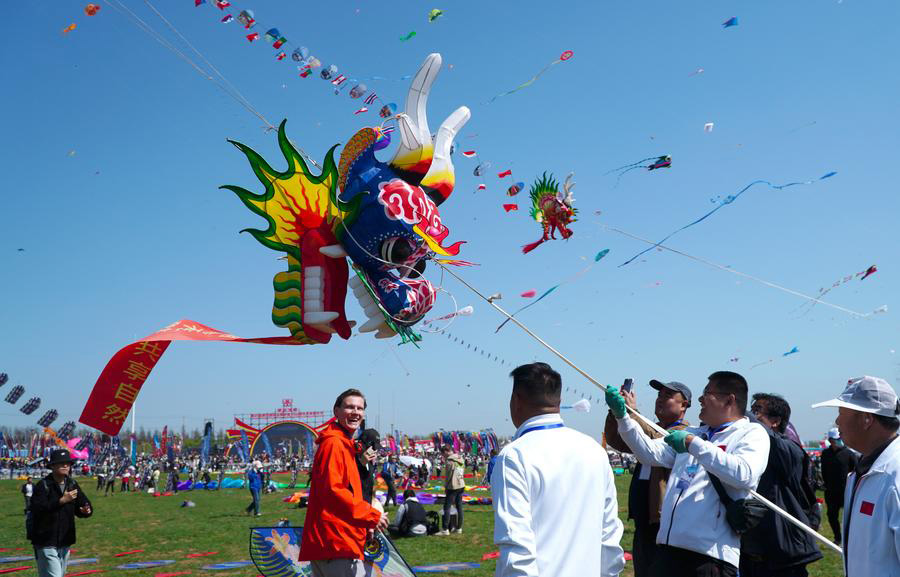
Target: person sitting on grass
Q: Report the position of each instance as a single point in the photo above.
(410, 519)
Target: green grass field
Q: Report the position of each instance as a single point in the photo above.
(164, 530)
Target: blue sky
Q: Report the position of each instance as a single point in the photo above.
(130, 232)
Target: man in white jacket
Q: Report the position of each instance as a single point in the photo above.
(868, 419)
(555, 509)
(694, 537)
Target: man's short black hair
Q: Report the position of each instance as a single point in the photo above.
(733, 383)
(889, 423)
(539, 384)
(349, 393)
(776, 406)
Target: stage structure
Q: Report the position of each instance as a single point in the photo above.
(286, 431)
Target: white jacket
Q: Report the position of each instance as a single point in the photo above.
(555, 505)
(872, 544)
(692, 515)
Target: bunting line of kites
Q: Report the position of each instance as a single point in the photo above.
(306, 62)
(32, 405)
(861, 275)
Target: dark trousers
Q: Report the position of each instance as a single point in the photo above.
(833, 504)
(254, 504)
(391, 491)
(759, 568)
(644, 547)
(453, 498)
(674, 562)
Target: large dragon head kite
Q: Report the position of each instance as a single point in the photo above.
(383, 217)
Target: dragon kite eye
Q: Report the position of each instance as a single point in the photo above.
(396, 250)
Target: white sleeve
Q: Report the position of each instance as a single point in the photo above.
(612, 557)
(740, 467)
(398, 516)
(653, 451)
(513, 532)
(894, 519)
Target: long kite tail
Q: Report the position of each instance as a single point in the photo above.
(531, 246)
(723, 203)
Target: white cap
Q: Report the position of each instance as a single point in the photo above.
(867, 394)
(834, 433)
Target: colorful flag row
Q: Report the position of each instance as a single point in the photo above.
(306, 62)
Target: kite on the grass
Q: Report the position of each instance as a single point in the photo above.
(725, 202)
(562, 58)
(650, 163)
(275, 552)
(551, 208)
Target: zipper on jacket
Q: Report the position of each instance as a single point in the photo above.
(672, 516)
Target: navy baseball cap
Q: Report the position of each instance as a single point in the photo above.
(673, 386)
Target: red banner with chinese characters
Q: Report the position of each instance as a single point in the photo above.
(125, 373)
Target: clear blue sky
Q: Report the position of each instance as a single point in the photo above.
(131, 233)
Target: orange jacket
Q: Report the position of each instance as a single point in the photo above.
(337, 517)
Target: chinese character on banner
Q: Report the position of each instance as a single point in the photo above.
(115, 414)
(126, 392)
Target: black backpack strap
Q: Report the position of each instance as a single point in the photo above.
(717, 485)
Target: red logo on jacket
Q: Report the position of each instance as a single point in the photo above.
(867, 508)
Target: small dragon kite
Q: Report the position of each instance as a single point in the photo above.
(552, 208)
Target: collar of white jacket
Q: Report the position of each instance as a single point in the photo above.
(538, 421)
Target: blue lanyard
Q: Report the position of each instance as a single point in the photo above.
(539, 427)
(675, 424)
(711, 432)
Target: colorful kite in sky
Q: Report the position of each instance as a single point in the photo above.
(725, 202)
(551, 208)
(435, 14)
(320, 220)
(406, 37)
(733, 21)
(650, 163)
(562, 58)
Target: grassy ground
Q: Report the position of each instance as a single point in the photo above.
(164, 530)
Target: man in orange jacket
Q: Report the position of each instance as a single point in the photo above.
(338, 520)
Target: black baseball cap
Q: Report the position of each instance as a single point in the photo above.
(673, 386)
(58, 456)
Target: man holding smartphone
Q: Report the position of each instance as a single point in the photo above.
(648, 483)
(339, 519)
(56, 501)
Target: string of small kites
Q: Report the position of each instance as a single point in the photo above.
(32, 405)
(306, 62)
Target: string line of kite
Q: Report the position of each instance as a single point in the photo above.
(562, 58)
(722, 204)
(211, 75)
(573, 278)
(744, 275)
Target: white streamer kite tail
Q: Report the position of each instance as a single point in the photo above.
(787, 516)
